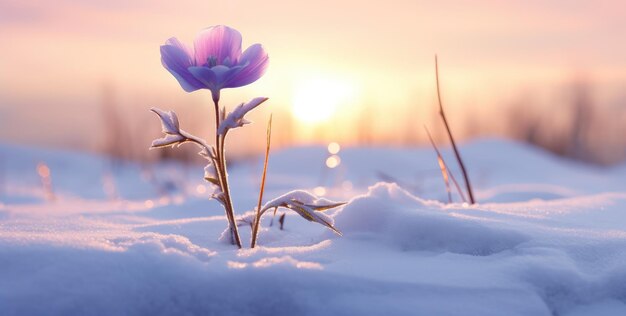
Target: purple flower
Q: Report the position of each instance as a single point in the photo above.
(216, 61)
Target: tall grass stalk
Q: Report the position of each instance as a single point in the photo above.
(445, 171)
(456, 150)
(257, 219)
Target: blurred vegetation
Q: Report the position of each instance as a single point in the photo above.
(570, 123)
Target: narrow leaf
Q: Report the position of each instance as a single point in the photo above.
(321, 208)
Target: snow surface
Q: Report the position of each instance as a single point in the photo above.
(547, 238)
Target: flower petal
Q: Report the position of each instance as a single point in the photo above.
(215, 78)
(255, 61)
(176, 60)
(218, 41)
(224, 74)
(173, 41)
(206, 76)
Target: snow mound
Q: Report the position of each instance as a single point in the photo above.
(393, 215)
(164, 244)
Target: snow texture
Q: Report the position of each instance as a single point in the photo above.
(547, 237)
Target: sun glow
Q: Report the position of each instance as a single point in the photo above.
(315, 100)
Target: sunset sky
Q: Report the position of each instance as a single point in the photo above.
(331, 62)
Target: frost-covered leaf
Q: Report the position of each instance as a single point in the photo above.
(325, 205)
(169, 121)
(236, 117)
(171, 128)
(219, 196)
(311, 215)
(168, 140)
(307, 199)
(210, 174)
(299, 195)
(204, 153)
(306, 205)
(176, 136)
(246, 219)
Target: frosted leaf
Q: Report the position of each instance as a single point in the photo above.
(210, 174)
(306, 205)
(219, 196)
(168, 140)
(204, 153)
(311, 215)
(236, 117)
(300, 195)
(176, 136)
(169, 121)
(246, 219)
(305, 198)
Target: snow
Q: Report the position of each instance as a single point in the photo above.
(547, 238)
(388, 213)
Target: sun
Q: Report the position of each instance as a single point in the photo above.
(315, 100)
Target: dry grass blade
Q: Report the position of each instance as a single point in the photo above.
(456, 151)
(442, 166)
(445, 171)
(329, 225)
(257, 219)
(322, 208)
(312, 217)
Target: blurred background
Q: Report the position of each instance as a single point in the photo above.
(82, 74)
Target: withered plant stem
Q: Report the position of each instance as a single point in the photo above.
(456, 151)
(257, 219)
(445, 169)
(223, 178)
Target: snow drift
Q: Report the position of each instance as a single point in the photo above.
(388, 213)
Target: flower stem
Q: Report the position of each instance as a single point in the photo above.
(223, 178)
